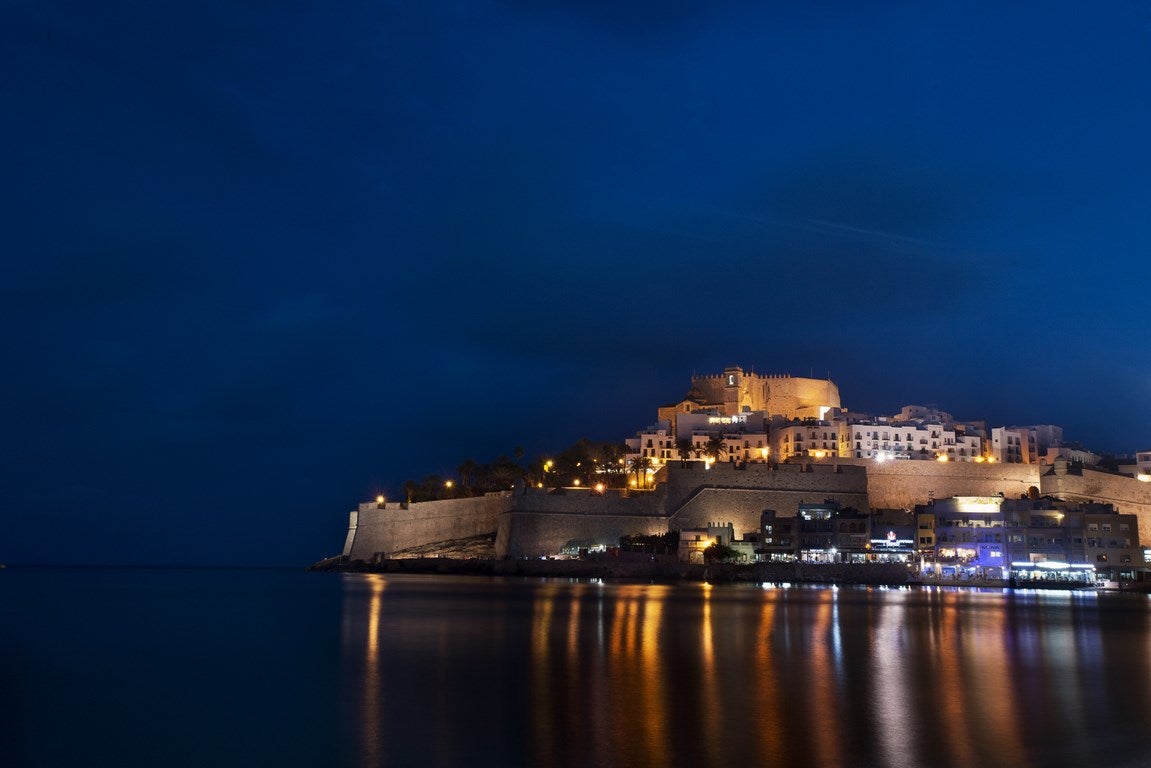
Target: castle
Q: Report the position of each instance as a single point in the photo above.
(741, 443)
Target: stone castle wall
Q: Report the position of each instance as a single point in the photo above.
(535, 522)
(903, 484)
(738, 494)
(373, 530)
(1127, 494)
(812, 479)
(537, 534)
(540, 522)
(742, 507)
(779, 395)
(786, 395)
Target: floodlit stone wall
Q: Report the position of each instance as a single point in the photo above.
(1127, 494)
(541, 522)
(903, 484)
(742, 507)
(739, 493)
(535, 534)
(373, 530)
(537, 522)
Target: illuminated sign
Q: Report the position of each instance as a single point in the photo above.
(891, 542)
(720, 420)
(978, 504)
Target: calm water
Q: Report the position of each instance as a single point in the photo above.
(199, 668)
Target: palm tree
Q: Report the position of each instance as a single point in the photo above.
(640, 466)
(467, 471)
(684, 447)
(609, 456)
(715, 447)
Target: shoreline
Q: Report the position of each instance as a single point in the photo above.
(668, 569)
(647, 567)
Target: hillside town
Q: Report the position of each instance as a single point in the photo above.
(773, 470)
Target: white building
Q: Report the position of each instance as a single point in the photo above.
(655, 442)
(1013, 445)
(883, 440)
(813, 438)
(1143, 465)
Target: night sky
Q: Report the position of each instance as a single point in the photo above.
(266, 259)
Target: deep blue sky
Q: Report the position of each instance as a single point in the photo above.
(263, 259)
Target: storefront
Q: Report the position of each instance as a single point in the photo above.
(1050, 573)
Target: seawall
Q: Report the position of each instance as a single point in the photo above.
(542, 522)
(376, 530)
(738, 494)
(533, 522)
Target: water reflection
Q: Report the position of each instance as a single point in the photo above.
(446, 671)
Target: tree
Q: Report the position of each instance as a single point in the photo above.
(685, 449)
(609, 456)
(467, 471)
(720, 553)
(715, 447)
(640, 466)
(504, 473)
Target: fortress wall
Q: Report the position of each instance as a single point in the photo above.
(372, 530)
(788, 394)
(813, 482)
(531, 534)
(584, 501)
(903, 484)
(1127, 494)
(742, 507)
(541, 522)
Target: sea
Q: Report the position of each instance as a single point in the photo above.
(204, 667)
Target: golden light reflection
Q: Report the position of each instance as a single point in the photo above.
(654, 713)
(951, 695)
(767, 686)
(992, 706)
(638, 716)
(543, 701)
(712, 702)
(372, 732)
(894, 714)
(824, 698)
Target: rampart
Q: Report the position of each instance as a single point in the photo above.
(1127, 494)
(385, 528)
(535, 522)
(542, 522)
(739, 493)
(903, 484)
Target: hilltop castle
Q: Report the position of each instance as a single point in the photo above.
(740, 444)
